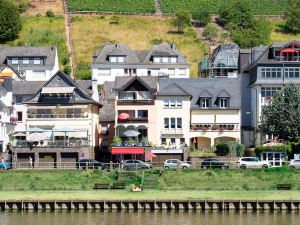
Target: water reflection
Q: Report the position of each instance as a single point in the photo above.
(150, 217)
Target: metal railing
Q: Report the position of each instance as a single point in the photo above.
(50, 143)
(57, 116)
(219, 164)
(214, 126)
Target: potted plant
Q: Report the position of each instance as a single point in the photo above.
(117, 141)
(131, 141)
(214, 127)
(145, 141)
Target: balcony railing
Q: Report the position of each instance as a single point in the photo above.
(50, 143)
(172, 131)
(215, 127)
(135, 102)
(134, 120)
(125, 144)
(288, 59)
(57, 116)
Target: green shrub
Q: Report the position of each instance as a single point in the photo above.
(65, 60)
(202, 17)
(50, 14)
(83, 71)
(260, 148)
(68, 69)
(235, 148)
(222, 149)
(210, 31)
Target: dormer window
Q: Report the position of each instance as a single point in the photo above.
(173, 59)
(205, 103)
(223, 102)
(117, 59)
(25, 61)
(14, 61)
(36, 61)
(165, 59)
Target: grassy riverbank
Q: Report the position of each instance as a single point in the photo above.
(149, 195)
(182, 180)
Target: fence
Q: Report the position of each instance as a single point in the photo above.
(94, 165)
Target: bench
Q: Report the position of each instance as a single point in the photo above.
(101, 186)
(284, 186)
(118, 185)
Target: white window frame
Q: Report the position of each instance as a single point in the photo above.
(172, 70)
(121, 59)
(173, 59)
(112, 59)
(37, 61)
(165, 59)
(25, 61)
(104, 71)
(14, 61)
(178, 102)
(156, 59)
(182, 71)
(223, 103)
(205, 103)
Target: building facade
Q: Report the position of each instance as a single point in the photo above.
(116, 60)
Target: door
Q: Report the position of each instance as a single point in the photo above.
(47, 160)
(69, 159)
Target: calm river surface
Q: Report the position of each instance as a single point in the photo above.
(149, 218)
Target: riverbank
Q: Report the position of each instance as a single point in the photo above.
(126, 195)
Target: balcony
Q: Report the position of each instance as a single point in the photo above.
(51, 143)
(57, 116)
(215, 127)
(288, 58)
(135, 102)
(172, 131)
(134, 120)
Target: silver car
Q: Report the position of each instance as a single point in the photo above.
(173, 163)
(252, 162)
(135, 165)
(295, 163)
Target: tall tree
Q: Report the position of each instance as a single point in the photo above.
(281, 117)
(182, 20)
(292, 16)
(10, 21)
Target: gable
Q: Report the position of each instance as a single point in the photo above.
(205, 94)
(223, 94)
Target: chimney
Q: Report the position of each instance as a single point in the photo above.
(173, 46)
(7, 84)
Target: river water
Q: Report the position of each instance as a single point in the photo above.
(150, 218)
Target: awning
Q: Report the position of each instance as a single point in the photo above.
(57, 90)
(42, 107)
(135, 151)
(288, 50)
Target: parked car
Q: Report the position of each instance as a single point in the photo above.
(133, 164)
(173, 163)
(252, 162)
(213, 163)
(295, 164)
(91, 164)
(7, 165)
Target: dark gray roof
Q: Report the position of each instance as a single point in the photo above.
(283, 44)
(107, 112)
(137, 56)
(173, 90)
(60, 80)
(26, 87)
(48, 52)
(201, 87)
(121, 82)
(107, 93)
(86, 86)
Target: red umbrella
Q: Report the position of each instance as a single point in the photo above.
(123, 116)
(150, 155)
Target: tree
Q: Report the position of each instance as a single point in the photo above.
(83, 71)
(182, 20)
(292, 16)
(210, 31)
(281, 117)
(10, 21)
(202, 17)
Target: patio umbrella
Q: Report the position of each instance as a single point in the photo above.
(150, 155)
(123, 116)
(33, 137)
(19, 135)
(131, 133)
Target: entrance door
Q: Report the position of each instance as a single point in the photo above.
(47, 160)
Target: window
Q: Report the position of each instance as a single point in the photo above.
(166, 121)
(173, 59)
(142, 113)
(269, 91)
(205, 102)
(19, 99)
(36, 61)
(121, 59)
(127, 96)
(172, 123)
(178, 102)
(166, 102)
(182, 141)
(292, 72)
(171, 72)
(179, 123)
(130, 72)
(163, 141)
(223, 102)
(104, 72)
(39, 74)
(25, 60)
(156, 59)
(14, 61)
(173, 141)
(19, 116)
(182, 72)
(165, 59)
(172, 102)
(112, 59)
(271, 72)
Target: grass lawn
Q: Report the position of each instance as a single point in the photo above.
(149, 195)
(43, 31)
(278, 36)
(91, 32)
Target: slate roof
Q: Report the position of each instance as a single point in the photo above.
(173, 90)
(48, 52)
(121, 82)
(62, 80)
(201, 87)
(108, 92)
(107, 112)
(137, 56)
